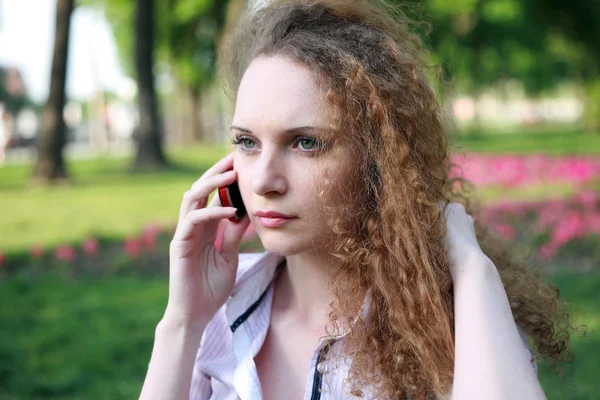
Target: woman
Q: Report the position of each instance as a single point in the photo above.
(374, 283)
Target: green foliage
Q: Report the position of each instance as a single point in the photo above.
(549, 142)
(85, 339)
(479, 43)
(191, 39)
(582, 292)
(92, 338)
(109, 201)
(121, 17)
(105, 199)
(186, 38)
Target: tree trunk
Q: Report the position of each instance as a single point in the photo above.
(50, 164)
(195, 112)
(148, 134)
(591, 109)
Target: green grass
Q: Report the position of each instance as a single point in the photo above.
(581, 376)
(88, 339)
(553, 143)
(92, 338)
(104, 200)
(108, 201)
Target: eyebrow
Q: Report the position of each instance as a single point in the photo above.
(300, 129)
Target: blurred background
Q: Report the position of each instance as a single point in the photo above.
(111, 109)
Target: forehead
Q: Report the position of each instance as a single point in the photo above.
(277, 93)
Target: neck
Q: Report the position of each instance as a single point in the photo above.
(302, 294)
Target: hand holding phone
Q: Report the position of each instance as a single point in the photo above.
(230, 196)
(202, 276)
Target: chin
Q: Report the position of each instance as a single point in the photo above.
(286, 245)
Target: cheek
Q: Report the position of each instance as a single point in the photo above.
(310, 180)
(244, 178)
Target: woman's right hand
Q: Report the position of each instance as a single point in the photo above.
(201, 277)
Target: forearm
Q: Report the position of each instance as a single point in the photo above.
(490, 358)
(171, 365)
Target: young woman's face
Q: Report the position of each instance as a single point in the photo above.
(282, 159)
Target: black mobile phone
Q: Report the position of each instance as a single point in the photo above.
(230, 197)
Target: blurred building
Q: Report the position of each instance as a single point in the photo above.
(18, 122)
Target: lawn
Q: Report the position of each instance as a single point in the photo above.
(104, 200)
(92, 338)
(549, 142)
(582, 291)
(108, 201)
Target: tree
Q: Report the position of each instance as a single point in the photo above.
(192, 32)
(50, 164)
(187, 36)
(481, 43)
(579, 21)
(148, 134)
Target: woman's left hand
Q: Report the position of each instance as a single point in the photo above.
(463, 247)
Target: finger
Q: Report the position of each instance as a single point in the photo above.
(232, 237)
(455, 211)
(223, 165)
(213, 224)
(197, 196)
(215, 201)
(194, 223)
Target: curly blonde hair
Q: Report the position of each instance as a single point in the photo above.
(392, 248)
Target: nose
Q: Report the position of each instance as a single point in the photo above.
(268, 177)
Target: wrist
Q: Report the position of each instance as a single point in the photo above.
(172, 323)
(473, 266)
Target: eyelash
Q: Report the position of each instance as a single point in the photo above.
(319, 145)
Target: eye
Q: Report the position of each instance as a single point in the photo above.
(308, 143)
(247, 143)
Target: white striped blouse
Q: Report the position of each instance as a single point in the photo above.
(224, 367)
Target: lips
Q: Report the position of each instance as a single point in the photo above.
(273, 219)
(272, 214)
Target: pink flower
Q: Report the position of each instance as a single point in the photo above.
(90, 246)
(547, 251)
(593, 223)
(516, 171)
(587, 199)
(571, 226)
(2, 258)
(151, 229)
(133, 247)
(149, 235)
(65, 253)
(148, 241)
(37, 251)
(505, 230)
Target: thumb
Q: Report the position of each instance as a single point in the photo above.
(232, 235)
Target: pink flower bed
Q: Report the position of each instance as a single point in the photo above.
(148, 249)
(523, 170)
(550, 225)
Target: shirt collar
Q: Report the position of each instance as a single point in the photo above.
(254, 281)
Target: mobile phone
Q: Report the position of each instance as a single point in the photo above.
(230, 197)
